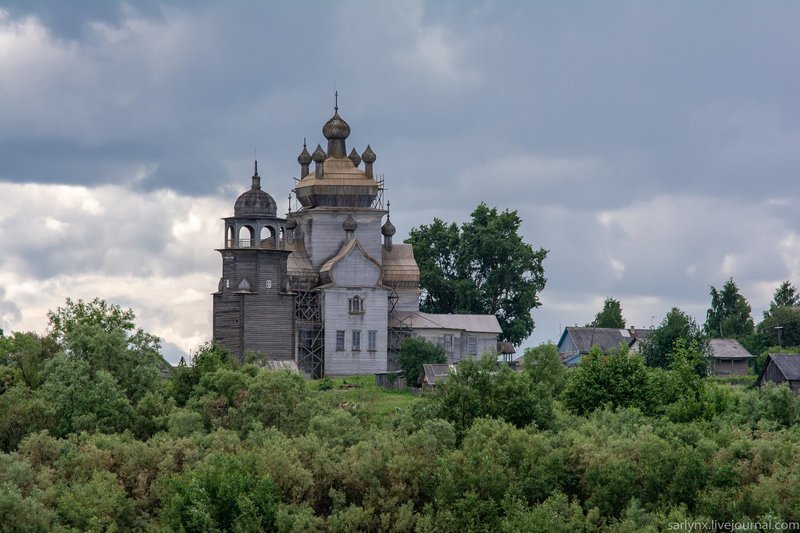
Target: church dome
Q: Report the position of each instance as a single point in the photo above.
(388, 228)
(349, 223)
(304, 158)
(291, 224)
(255, 202)
(336, 128)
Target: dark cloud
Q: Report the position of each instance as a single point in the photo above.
(651, 148)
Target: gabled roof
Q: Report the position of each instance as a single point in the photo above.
(435, 373)
(471, 323)
(727, 349)
(788, 364)
(605, 338)
(325, 271)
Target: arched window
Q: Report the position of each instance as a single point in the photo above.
(246, 236)
(356, 305)
(229, 236)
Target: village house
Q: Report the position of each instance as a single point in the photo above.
(781, 368)
(728, 357)
(576, 342)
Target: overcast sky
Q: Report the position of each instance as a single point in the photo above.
(652, 148)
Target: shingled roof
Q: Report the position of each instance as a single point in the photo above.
(788, 364)
(605, 338)
(727, 349)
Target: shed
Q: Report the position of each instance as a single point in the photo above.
(435, 373)
(781, 368)
(728, 357)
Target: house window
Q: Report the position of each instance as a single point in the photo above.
(356, 341)
(340, 341)
(472, 345)
(268, 284)
(448, 343)
(227, 284)
(356, 305)
(372, 340)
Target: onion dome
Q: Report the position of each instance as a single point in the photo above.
(368, 156)
(319, 155)
(291, 224)
(255, 202)
(336, 128)
(388, 228)
(354, 157)
(349, 223)
(304, 158)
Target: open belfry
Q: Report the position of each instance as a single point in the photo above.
(326, 287)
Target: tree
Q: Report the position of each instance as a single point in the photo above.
(414, 352)
(480, 389)
(610, 316)
(785, 296)
(543, 365)
(484, 267)
(780, 327)
(657, 349)
(619, 379)
(729, 314)
(106, 338)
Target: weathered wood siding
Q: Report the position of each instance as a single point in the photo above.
(338, 318)
(261, 318)
(485, 342)
(729, 367)
(324, 236)
(567, 346)
(356, 271)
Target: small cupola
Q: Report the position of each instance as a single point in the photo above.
(349, 226)
(319, 156)
(368, 157)
(305, 160)
(354, 157)
(336, 130)
(388, 230)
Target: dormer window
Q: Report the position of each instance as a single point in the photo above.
(356, 305)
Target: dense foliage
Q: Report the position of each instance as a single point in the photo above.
(608, 317)
(729, 314)
(415, 352)
(483, 267)
(613, 445)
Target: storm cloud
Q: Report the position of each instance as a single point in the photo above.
(651, 148)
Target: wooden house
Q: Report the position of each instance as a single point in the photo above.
(576, 342)
(728, 357)
(781, 368)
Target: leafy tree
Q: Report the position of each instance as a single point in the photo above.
(483, 267)
(480, 389)
(27, 353)
(543, 364)
(729, 314)
(786, 295)
(609, 317)
(414, 352)
(658, 347)
(785, 318)
(106, 338)
(226, 493)
(619, 379)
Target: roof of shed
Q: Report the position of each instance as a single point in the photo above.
(604, 338)
(436, 373)
(727, 349)
(788, 364)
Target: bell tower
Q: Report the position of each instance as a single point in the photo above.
(253, 308)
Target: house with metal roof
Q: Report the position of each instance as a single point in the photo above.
(728, 357)
(781, 368)
(576, 342)
(461, 336)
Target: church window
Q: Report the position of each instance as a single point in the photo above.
(356, 305)
(340, 341)
(244, 285)
(472, 345)
(246, 237)
(356, 341)
(227, 284)
(268, 284)
(448, 343)
(372, 340)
